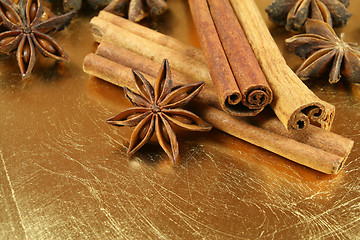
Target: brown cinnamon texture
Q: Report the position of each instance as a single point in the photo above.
(153, 36)
(234, 69)
(104, 29)
(313, 147)
(135, 61)
(294, 104)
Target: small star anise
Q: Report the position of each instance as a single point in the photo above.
(294, 13)
(136, 10)
(157, 109)
(27, 31)
(325, 52)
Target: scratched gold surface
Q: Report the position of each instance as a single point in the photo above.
(64, 173)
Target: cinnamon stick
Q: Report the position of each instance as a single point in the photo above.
(294, 104)
(135, 61)
(307, 149)
(234, 69)
(299, 109)
(154, 36)
(105, 30)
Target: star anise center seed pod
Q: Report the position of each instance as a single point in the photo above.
(325, 53)
(28, 32)
(157, 110)
(294, 13)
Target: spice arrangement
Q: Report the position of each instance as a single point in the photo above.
(28, 32)
(239, 69)
(113, 63)
(295, 113)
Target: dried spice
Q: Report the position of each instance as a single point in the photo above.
(28, 32)
(294, 13)
(157, 110)
(136, 10)
(266, 131)
(325, 53)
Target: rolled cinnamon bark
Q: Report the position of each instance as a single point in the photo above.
(154, 36)
(105, 30)
(135, 61)
(316, 148)
(234, 69)
(294, 104)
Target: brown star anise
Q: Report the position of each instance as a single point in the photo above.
(136, 10)
(325, 52)
(27, 31)
(294, 13)
(157, 110)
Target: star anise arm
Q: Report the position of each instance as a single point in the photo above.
(129, 117)
(57, 23)
(298, 15)
(166, 137)
(9, 16)
(9, 40)
(320, 12)
(339, 13)
(351, 66)
(320, 28)
(334, 76)
(31, 10)
(317, 64)
(181, 96)
(163, 84)
(136, 99)
(279, 9)
(26, 55)
(142, 133)
(305, 44)
(186, 120)
(144, 86)
(49, 47)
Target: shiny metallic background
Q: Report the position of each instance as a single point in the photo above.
(64, 173)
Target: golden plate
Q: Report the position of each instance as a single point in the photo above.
(64, 173)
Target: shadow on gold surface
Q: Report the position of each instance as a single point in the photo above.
(64, 173)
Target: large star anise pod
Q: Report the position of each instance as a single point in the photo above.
(27, 32)
(294, 13)
(157, 110)
(325, 53)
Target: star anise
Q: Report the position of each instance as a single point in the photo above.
(325, 53)
(158, 110)
(294, 13)
(27, 32)
(136, 10)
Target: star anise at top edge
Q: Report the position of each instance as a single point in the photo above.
(157, 109)
(325, 53)
(294, 13)
(28, 32)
